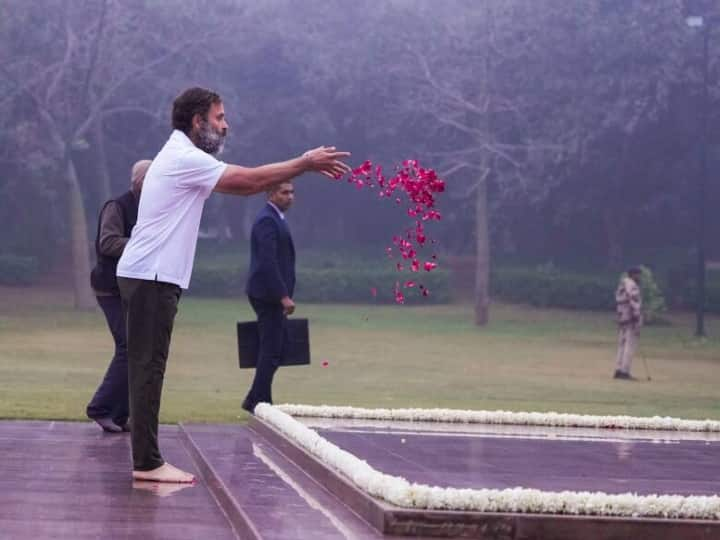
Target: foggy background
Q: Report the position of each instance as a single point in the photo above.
(569, 131)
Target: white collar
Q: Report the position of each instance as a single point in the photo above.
(282, 216)
(181, 137)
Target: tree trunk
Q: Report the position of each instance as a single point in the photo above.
(79, 240)
(613, 227)
(482, 235)
(482, 255)
(105, 191)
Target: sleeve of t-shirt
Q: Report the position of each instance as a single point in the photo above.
(200, 171)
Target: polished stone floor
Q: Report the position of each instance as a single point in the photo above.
(69, 480)
(557, 461)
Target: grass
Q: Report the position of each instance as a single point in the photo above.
(52, 358)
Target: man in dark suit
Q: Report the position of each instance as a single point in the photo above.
(270, 287)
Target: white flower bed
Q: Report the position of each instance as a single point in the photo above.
(505, 417)
(400, 492)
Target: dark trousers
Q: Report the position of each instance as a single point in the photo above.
(271, 327)
(111, 397)
(151, 307)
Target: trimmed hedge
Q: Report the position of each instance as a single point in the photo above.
(349, 284)
(357, 285)
(17, 270)
(551, 288)
(555, 288)
(712, 293)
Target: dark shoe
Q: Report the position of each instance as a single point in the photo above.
(619, 374)
(248, 406)
(108, 425)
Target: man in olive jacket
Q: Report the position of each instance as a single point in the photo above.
(109, 406)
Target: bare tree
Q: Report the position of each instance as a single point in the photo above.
(76, 70)
(480, 102)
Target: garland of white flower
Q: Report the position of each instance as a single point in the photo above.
(399, 491)
(662, 423)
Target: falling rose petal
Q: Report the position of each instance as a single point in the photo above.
(373, 291)
(426, 292)
(409, 284)
(399, 297)
(325, 363)
(365, 168)
(420, 185)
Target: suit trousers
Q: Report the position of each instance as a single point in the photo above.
(151, 308)
(111, 397)
(627, 343)
(271, 328)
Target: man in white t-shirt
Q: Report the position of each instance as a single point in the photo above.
(157, 261)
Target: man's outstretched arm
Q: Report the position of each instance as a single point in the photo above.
(237, 180)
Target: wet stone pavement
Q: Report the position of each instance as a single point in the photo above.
(68, 480)
(473, 460)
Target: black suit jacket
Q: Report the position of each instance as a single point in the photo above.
(272, 258)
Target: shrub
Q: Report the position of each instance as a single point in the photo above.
(362, 285)
(17, 270)
(653, 300)
(336, 284)
(549, 287)
(687, 295)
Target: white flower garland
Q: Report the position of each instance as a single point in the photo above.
(399, 491)
(660, 423)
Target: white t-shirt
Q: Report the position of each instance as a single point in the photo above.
(162, 243)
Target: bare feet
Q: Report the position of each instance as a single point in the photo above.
(159, 489)
(165, 473)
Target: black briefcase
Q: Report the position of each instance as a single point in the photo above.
(296, 343)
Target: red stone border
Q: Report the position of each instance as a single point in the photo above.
(393, 520)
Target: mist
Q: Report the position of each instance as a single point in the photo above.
(570, 134)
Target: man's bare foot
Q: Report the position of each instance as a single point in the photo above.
(161, 489)
(164, 473)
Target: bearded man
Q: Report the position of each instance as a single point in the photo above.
(157, 261)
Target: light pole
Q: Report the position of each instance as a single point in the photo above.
(695, 21)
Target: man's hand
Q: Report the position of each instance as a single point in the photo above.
(288, 305)
(326, 160)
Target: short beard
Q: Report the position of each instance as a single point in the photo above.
(210, 140)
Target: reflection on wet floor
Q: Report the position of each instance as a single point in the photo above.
(80, 486)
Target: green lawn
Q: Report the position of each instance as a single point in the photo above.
(52, 358)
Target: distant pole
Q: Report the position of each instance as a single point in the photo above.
(702, 189)
(695, 21)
